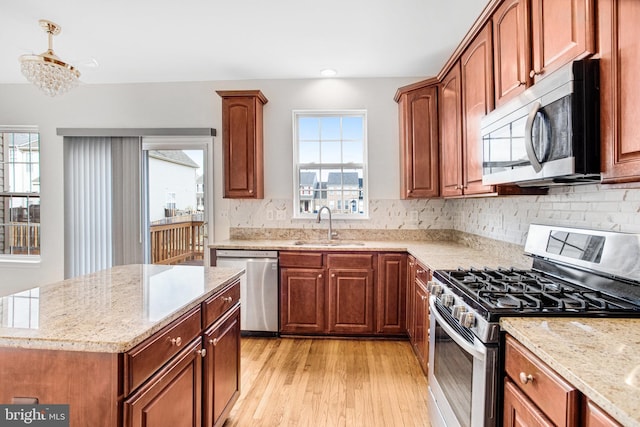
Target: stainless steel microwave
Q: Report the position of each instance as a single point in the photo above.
(548, 135)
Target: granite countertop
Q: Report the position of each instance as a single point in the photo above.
(108, 311)
(600, 357)
(436, 255)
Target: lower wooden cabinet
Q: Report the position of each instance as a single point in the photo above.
(172, 397)
(419, 317)
(221, 368)
(342, 293)
(535, 395)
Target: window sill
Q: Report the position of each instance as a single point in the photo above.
(19, 260)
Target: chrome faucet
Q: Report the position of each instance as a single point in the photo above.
(331, 234)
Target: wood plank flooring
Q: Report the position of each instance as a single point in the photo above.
(329, 383)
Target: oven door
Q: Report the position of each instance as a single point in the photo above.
(463, 376)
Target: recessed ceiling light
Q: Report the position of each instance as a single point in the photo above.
(328, 72)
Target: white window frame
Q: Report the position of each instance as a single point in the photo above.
(24, 258)
(297, 166)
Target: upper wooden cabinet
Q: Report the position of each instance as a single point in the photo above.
(451, 133)
(242, 143)
(619, 109)
(418, 113)
(511, 49)
(476, 68)
(561, 31)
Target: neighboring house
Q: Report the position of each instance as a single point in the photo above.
(172, 183)
(308, 184)
(343, 192)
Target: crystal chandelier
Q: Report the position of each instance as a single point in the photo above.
(51, 74)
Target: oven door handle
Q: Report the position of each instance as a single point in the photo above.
(477, 351)
(528, 137)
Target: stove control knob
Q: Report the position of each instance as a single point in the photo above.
(457, 311)
(447, 300)
(468, 320)
(435, 289)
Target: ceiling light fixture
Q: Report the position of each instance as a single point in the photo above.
(51, 74)
(328, 72)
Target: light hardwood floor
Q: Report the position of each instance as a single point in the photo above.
(329, 383)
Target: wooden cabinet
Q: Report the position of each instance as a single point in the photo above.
(418, 121)
(619, 62)
(511, 49)
(351, 293)
(410, 294)
(172, 397)
(221, 368)
(543, 390)
(450, 118)
(242, 143)
(561, 31)
(594, 416)
(519, 410)
(391, 293)
(476, 68)
(420, 308)
(342, 293)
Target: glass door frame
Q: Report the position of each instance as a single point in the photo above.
(204, 143)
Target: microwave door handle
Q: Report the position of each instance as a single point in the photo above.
(528, 137)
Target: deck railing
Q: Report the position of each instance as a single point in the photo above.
(22, 238)
(177, 242)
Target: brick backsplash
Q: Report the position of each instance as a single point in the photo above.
(505, 218)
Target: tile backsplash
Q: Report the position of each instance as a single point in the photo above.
(504, 218)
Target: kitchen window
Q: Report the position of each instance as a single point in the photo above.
(19, 193)
(330, 168)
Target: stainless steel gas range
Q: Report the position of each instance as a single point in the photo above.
(575, 272)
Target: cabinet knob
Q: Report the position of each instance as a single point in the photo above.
(419, 271)
(319, 276)
(525, 379)
(333, 275)
(423, 297)
(534, 73)
(176, 341)
(227, 299)
(202, 352)
(214, 342)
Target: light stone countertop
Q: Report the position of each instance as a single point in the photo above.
(600, 357)
(436, 255)
(108, 311)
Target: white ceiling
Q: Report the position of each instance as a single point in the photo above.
(204, 40)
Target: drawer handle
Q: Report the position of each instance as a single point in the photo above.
(424, 298)
(420, 271)
(227, 299)
(525, 379)
(176, 341)
(202, 352)
(214, 342)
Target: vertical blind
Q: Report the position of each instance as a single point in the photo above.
(88, 205)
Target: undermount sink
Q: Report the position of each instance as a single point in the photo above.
(327, 243)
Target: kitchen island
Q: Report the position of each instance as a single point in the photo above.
(107, 342)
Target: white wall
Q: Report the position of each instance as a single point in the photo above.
(168, 177)
(190, 105)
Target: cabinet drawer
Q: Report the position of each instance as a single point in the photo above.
(350, 260)
(422, 273)
(558, 399)
(300, 259)
(150, 355)
(215, 306)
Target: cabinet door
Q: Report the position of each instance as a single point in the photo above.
(519, 411)
(594, 416)
(391, 293)
(172, 397)
(302, 300)
(242, 143)
(421, 326)
(511, 52)
(477, 100)
(411, 286)
(351, 300)
(419, 143)
(221, 368)
(450, 110)
(619, 85)
(562, 30)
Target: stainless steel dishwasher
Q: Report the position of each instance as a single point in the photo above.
(258, 288)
